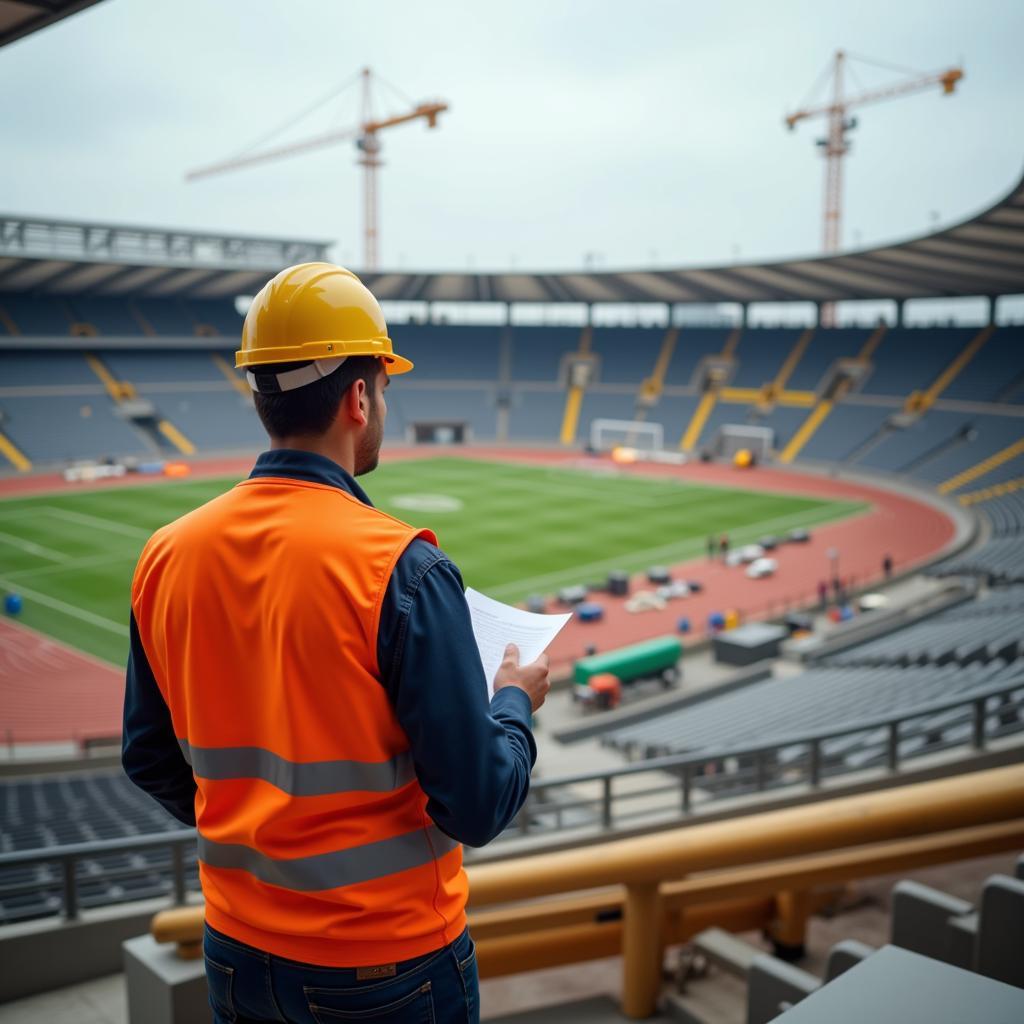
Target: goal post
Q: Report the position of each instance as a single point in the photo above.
(607, 435)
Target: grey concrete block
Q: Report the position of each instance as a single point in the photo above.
(163, 989)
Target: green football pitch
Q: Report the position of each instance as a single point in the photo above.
(512, 529)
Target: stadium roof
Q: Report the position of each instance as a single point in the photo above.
(20, 18)
(981, 256)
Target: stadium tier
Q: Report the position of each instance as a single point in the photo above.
(939, 404)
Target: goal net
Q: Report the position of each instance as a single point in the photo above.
(607, 435)
(734, 436)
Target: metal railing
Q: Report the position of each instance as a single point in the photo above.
(755, 768)
(758, 768)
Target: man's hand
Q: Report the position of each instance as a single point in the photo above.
(532, 679)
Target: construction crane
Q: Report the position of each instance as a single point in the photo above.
(836, 145)
(367, 142)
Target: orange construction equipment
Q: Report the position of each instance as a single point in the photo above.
(607, 689)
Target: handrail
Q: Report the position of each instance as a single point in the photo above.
(644, 862)
(178, 840)
(674, 761)
(789, 839)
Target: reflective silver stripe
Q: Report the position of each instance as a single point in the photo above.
(299, 778)
(332, 870)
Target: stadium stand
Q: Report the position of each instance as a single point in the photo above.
(1001, 559)
(820, 699)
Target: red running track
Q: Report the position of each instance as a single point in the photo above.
(84, 696)
(52, 693)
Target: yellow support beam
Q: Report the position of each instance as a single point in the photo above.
(872, 343)
(14, 454)
(236, 382)
(574, 396)
(806, 431)
(176, 437)
(950, 373)
(995, 491)
(707, 402)
(9, 325)
(117, 389)
(985, 466)
(794, 357)
(731, 342)
(741, 396)
(700, 417)
(652, 386)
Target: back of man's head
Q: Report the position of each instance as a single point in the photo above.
(310, 410)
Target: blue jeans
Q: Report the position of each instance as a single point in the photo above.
(249, 986)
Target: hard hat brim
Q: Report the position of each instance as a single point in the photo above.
(378, 347)
(395, 364)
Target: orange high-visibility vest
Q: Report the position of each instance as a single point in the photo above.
(258, 613)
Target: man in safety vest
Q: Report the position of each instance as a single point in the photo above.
(304, 687)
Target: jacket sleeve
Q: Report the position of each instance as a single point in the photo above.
(150, 753)
(473, 757)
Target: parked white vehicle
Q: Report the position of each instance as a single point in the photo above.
(744, 555)
(762, 567)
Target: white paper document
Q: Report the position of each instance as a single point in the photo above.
(496, 624)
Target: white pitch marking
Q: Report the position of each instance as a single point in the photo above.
(98, 522)
(31, 548)
(68, 609)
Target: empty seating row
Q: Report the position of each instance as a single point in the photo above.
(1001, 559)
(924, 921)
(978, 631)
(819, 700)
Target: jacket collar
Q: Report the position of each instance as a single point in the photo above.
(300, 465)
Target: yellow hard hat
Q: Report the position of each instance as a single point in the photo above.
(313, 311)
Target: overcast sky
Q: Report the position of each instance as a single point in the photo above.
(649, 133)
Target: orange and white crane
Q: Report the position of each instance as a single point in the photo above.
(836, 145)
(367, 142)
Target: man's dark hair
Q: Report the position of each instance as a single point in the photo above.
(310, 410)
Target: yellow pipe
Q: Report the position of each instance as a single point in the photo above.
(985, 466)
(176, 437)
(974, 798)
(14, 454)
(729, 350)
(806, 431)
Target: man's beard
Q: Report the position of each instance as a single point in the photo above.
(368, 453)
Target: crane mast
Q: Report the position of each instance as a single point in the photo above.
(835, 145)
(367, 143)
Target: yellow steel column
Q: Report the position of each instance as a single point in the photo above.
(641, 950)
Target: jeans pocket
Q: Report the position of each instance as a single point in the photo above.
(466, 961)
(375, 1003)
(220, 980)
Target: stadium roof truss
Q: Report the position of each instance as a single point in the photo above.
(981, 256)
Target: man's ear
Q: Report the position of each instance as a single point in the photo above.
(357, 402)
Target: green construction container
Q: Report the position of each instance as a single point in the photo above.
(637, 661)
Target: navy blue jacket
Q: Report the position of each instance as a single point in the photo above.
(473, 759)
